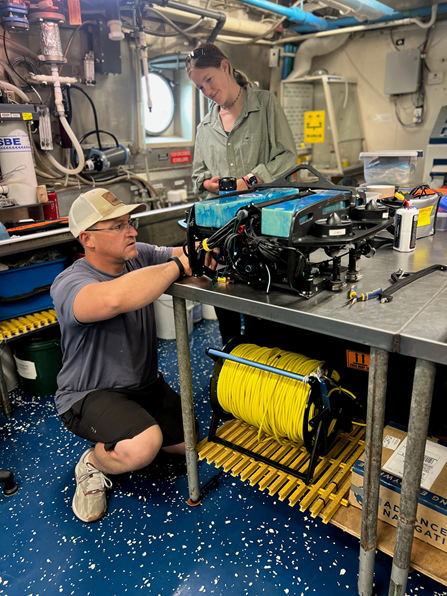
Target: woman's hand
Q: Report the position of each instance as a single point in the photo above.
(212, 184)
(242, 185)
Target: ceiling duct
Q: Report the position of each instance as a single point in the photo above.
(314, 47)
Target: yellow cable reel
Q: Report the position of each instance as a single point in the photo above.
(278, 406)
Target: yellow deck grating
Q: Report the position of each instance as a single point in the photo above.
(332, 476)
(21, 325)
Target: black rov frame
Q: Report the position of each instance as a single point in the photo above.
(252, 257)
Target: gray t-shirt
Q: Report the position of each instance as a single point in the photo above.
(119, 352)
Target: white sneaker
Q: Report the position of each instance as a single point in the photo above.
(90, 501)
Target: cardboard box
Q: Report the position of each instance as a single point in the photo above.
(431, 523)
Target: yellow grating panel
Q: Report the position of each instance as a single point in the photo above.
(332, 476)
(21, 325)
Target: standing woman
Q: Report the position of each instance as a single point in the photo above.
(245, 135)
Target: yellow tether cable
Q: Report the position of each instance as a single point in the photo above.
(340, 390)
(270, 402)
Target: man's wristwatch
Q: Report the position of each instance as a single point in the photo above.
(179, 264)
(250, 180)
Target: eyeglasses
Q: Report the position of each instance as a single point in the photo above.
(124, 227)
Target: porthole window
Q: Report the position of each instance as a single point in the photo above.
(159, 119)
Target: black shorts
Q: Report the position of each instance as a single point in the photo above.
(111, 415)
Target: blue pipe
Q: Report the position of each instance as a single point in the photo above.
(278, 371)
(293, 14)
(307, 19)
(349, 22)
(286, 62)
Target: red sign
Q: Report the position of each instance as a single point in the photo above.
(181, 156)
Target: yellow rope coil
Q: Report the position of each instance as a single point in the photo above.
(268, 401)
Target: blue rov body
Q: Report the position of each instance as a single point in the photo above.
(276, 219)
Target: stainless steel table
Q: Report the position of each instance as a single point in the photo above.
(414, 323)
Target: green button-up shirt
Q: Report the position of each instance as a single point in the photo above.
(260, 142)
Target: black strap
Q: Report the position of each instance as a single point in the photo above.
(17, 297)
(179, 264)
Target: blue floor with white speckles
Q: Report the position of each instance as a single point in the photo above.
(238, 541)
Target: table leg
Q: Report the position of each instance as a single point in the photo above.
(4, 395)
(184, 367)
(378, 369)
(424, 378)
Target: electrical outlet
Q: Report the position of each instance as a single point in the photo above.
(417, 115)
(274, 58)
(435, 78)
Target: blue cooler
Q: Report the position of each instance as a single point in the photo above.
(23, 284)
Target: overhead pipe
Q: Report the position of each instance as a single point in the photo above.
(343, 30)
(292, 13)
(220, 17)
(363, 10)
(232, 25)
(380, 24)
(412, 14)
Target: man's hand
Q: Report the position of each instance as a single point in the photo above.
(209, 261)
(178, 252)
(212, 185)
(185, 262)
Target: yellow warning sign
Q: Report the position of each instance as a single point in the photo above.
(358, 360)
(27, 116)
(424, 216)
(314, 126)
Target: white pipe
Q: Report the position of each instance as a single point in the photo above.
(143, 55)
(17, 90)
(320, 34)
(233, 25)
(354, 29)
(310, 48)
(359, 9)
(61, 113)
(58, 100)
(77, 147)
(232, 38)
(431, 22)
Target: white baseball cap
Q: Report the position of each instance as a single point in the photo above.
(98, 204)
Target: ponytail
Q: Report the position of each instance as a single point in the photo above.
(241, 78)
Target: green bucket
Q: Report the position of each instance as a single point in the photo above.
(38, 364)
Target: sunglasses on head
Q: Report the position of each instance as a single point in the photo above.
(197, 54)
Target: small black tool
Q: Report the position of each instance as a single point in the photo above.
(401, 279)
